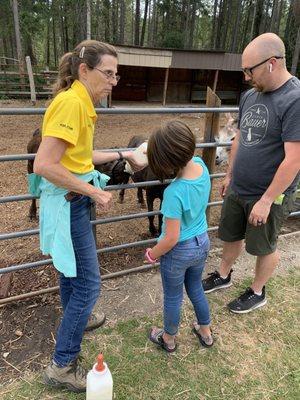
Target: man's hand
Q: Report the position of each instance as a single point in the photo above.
(102, 199)
(225, 184)
(260, 212)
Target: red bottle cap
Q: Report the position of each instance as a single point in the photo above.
(100, 366)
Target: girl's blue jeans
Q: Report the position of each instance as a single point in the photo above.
(78, 295)
(183, 265)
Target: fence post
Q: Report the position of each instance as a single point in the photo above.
(165, 86)
(211, 129)
(31, 80)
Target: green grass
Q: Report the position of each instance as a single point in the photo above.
(255, 357)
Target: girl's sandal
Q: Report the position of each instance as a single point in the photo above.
(205, 341)
(156, 336)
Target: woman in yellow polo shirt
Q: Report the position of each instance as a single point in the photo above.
(69, 184)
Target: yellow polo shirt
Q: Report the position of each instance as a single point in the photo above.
(71, 116)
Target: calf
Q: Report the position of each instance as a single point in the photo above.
(32, 147)
(152, 192)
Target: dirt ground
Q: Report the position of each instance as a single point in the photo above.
(27, 328)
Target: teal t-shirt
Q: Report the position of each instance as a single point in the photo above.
(186, 200)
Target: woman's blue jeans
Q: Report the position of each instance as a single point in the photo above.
(183, 265)
(78, 295)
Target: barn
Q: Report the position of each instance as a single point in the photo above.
(177, 76)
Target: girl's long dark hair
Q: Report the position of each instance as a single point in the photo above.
(170, 148)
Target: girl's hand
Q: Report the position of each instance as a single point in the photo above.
(148, 257)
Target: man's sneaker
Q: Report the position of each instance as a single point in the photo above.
(248, 301)
(72, 377)
(95, 321)
(215, 282)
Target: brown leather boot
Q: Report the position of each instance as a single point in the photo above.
(95, 321)
(72, 377)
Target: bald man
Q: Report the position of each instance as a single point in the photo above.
(261, 180)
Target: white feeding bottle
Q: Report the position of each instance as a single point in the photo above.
(99, 382)
(140, 155)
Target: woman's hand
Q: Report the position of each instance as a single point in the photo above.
(102, 199)
(136, 165)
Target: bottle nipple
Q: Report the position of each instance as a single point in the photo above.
(100, 366)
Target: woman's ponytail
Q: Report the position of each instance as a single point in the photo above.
(65, 76)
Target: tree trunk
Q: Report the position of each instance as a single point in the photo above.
(258, 18)
(17, 30)
(48, 35)
(192, 26)
(296, 54)
(245, 31)
(236, 27)
(213, 32)
(29, 49)
(122, 21)
(183, 13)
(220, 24)
(187, 23)
(115, 18)
(67, 33)
(288, 23)
(99, 32)
(274, 16)
(137, 23)
(88, 19)
(106, 17)
(18, 41)
(281, 7)
(266, 20)
(227, 9)
(144, 22)
(54, 35)
(62, 31)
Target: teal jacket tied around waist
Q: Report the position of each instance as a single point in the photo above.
(55, 226)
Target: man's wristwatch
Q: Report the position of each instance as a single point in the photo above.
(121, 158)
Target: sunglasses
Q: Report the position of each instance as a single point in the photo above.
(248, 71)
(109, 75)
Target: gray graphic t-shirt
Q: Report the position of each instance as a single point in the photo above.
(266, 121)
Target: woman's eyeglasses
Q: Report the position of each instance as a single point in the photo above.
(109, 75)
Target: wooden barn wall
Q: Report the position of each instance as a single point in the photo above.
(184, 85)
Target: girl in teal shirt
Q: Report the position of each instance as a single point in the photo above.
(184, 244)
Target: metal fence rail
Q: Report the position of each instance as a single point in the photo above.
(102, 221)
(129, 110)
(22, 197)
(20, 157)
(135, 110)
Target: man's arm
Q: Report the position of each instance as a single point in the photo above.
(227, 179)
(284, 176)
